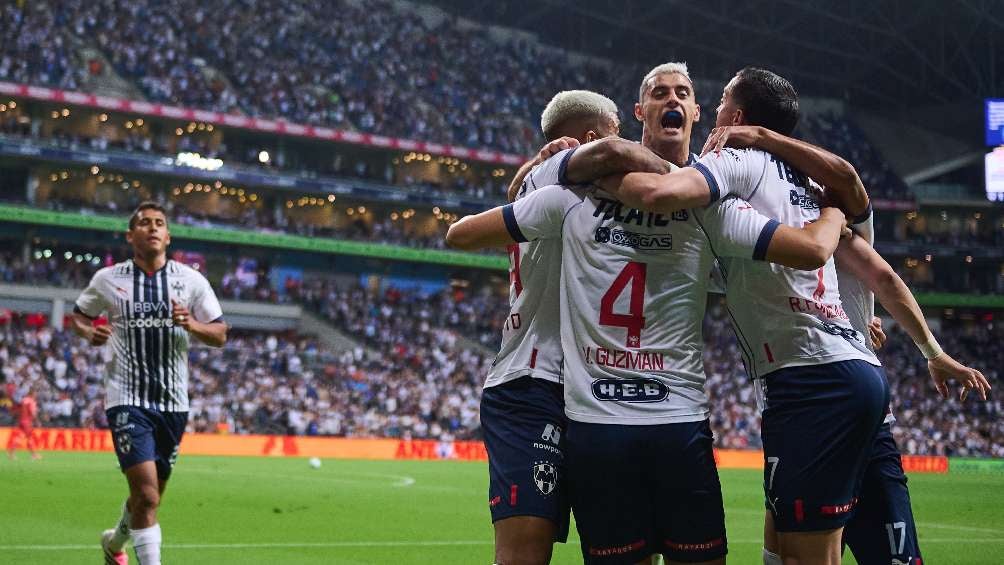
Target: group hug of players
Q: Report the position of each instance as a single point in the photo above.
(596, 401)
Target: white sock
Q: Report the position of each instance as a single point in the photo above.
(771, 558)
(121, 536)
(146, 543)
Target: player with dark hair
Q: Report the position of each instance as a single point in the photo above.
(823, 392)
(155, 306)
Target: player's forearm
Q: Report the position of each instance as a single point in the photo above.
(612, 155)
(807, 248)
(862, 261)
(832, 171)
(213, 334)
(82, 326)
(662, 193)
(479, 231)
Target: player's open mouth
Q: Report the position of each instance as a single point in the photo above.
(672, 119)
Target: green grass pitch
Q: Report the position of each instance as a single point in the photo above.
(272, 511)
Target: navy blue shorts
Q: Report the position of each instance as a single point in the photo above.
(882, 529)
(524, 424)
(140, 435)
(819, 427)
(638, 491)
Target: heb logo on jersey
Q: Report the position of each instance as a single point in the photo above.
(635, 390)
(633, 240)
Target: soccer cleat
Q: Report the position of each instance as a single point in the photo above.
(120, 558)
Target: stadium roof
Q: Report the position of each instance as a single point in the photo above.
(877, 53)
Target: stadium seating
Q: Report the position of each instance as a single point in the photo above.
(315, 62)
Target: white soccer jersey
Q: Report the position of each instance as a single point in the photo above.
(530, 336)
(150, 367)
(633, 294)
(783, 317)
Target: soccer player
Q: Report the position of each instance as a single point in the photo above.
(155, 306)
(27, 412)
(881, 528)
(522, 409)
(824, 391)
(638, 446)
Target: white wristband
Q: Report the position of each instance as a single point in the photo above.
(931, 349)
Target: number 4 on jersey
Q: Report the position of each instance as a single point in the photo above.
(634, 321)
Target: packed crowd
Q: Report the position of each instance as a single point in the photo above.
(414, 378)
(371, 67)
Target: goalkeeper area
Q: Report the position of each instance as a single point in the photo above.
(251, 510)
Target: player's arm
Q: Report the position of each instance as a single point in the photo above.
(840, 178)
(595, 160)
(550, 149)
(204, 306)
(736, 229)
(480, 231)
(862, 261)
(88, 307)
(662, 193)
(538, 216)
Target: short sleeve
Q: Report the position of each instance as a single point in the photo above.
(205, 306)
(91, 303)
(735, 172)
(541, 214)
(736, 229)
(551, 171)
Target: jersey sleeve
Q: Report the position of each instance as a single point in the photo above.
(551, 171)
(91, 303)
(732, 172)
(541, 214)
(736, 229)
(205, 306)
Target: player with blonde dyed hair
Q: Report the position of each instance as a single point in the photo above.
(522, 407)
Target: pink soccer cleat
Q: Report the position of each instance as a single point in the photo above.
(120, 558)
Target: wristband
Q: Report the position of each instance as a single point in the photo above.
(931, 349)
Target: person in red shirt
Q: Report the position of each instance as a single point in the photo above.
(27, 412)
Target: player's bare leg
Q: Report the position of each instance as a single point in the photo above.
(771, 547)
(144, 499)
(30, 443)
(810, 548)
(524, 540)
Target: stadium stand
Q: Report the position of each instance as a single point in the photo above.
(427, 387)
(312, 62)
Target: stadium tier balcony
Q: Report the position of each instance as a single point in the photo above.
(377, 69)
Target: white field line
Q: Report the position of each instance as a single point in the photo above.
(339, 477)
(376, 544)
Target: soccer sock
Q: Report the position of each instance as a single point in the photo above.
(146, 543)
(121, 536)
(771, 558)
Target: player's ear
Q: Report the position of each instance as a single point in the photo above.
(637, 112)
(739, 117)
(697, 113)
(591, 136)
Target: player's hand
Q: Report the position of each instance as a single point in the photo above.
(100, 335)
(739, 137)
(876, 333)
(555, 146)
(181, 316)
(943, 369)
